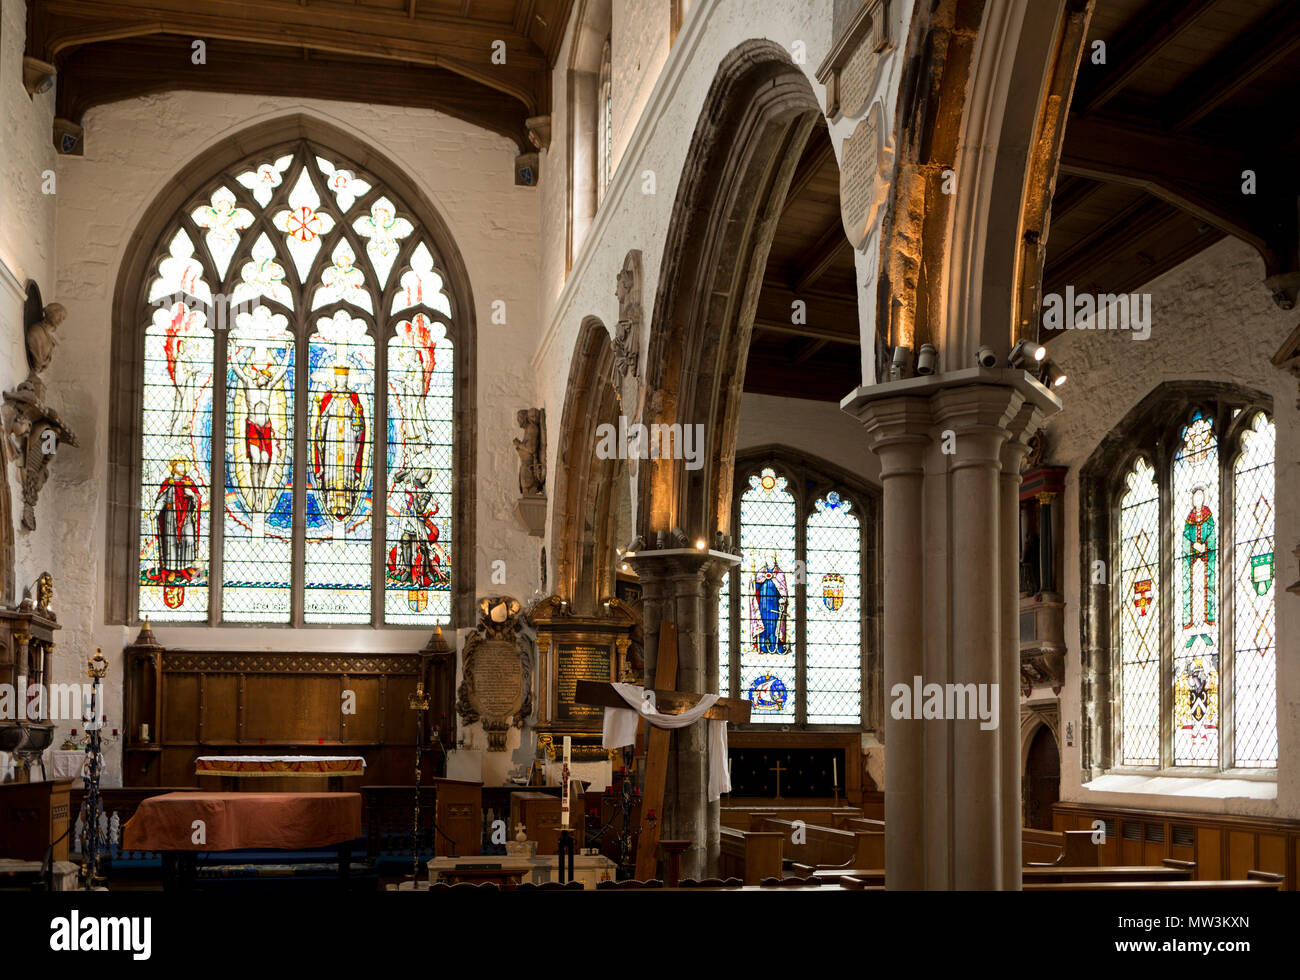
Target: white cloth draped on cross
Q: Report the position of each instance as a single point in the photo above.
(620, 729)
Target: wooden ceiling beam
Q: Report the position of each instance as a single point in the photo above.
(110, 72)
(826, 316)
(1071, 192)
(821, 382)
(1254, 54)
(831, 244)
(1073, 266)
(1134, 47)
(814, 161)
(55, 27)
(1200, 178)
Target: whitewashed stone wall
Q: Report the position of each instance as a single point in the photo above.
(27, 227)
(1212, 320)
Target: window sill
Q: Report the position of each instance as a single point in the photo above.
(1206, 786)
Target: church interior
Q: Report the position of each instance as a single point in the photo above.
(878, 470)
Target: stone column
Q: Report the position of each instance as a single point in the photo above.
(950, 448)
(680, 585)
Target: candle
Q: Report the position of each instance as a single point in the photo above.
(835, 771)
(21, 706)
(144, 733)
(564, 791)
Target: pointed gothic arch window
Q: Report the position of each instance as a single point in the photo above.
(605, 124)
(296, 442)
(794, 629)
(1194, 614)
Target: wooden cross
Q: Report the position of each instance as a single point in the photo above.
(668, 701)
(778, 770)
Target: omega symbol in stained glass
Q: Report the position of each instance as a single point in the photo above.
(767, 693)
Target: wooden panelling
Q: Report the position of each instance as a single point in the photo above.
(1223, 847)
(246, 703)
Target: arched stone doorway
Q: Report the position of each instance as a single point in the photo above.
(748, 140)
(1042, 782)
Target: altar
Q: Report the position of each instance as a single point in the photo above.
(587, 868)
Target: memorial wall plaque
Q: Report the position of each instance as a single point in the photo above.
(862, 178)
(854, 65)
(579, 662)
(497, 683)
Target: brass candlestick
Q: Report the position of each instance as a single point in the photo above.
(419, 703)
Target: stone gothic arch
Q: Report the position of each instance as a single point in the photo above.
(588, 488)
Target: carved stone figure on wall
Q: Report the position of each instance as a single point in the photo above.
(33, 431)
(532, 451)
(41, 340)
(627, 338)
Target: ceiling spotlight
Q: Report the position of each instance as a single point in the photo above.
(1052, 375)
(925, 359)
(898, 365)
(1025, 349)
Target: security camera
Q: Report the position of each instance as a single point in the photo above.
(925, 359)
(985, 357)
(1025, 349)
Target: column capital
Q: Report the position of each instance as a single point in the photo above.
(670, 563)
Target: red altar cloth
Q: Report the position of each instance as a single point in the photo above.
(235, 821)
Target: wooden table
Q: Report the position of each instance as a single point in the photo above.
(240, 821)
(507, 878)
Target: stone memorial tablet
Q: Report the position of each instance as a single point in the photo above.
(496, 689)
(862, 182)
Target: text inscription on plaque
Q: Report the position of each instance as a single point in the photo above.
(578, 662)
(498, 677)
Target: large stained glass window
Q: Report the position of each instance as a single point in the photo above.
(1207, 633)
(791, 636)
(285, 298)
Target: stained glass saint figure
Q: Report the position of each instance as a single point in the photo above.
(768, 609)
(338, 447)
(414, 560)
(1199, 553)
(177, 515)
(260, 369)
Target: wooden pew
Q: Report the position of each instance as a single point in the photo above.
(750, 855)
(752, 817)
(1168, 871)
(874, 881)
(828, 847)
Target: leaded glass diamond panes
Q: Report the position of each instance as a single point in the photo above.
(1139, 595)
(417, 553)
(1254, 648)
(176, 478)
(340, 472)
(257, 557)
(724, 636)
(767, 584)
(1196, 590)
(833, 648)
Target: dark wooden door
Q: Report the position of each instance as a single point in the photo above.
(1042, 779)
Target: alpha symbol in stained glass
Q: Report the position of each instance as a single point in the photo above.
(768, 616)
(767, 693)
(1199, 553)
(177, 519)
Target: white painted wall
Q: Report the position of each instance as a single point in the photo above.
(27, 231)
(132, 149)
(1212, 319)
(819, 429)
